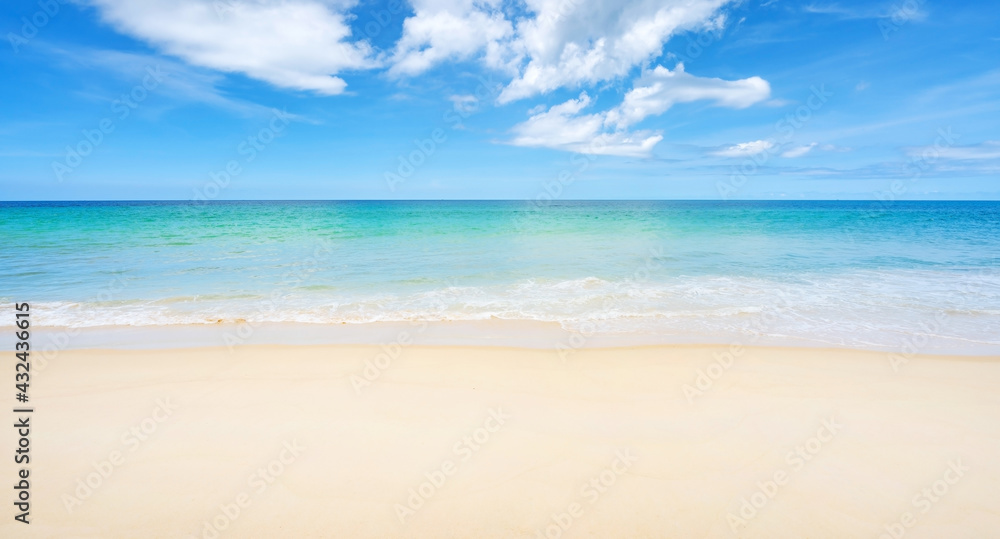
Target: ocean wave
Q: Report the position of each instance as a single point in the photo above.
(866, 309)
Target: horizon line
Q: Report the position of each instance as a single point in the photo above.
(525, 200)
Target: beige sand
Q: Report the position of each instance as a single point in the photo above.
(602, 443)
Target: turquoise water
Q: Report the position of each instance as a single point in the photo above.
(843, 273)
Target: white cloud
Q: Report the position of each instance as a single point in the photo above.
(562, 127)
(443, 30)
(298, 44)
(745, 149)
(798, 151)
(558, 43)
(572, 42)
(305, 44)
(659, 89)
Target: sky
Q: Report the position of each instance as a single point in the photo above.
(499, 99)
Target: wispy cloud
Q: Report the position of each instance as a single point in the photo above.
(745, 149)
(183, 83)
(798, 151)
(978, 152)
(911, 11)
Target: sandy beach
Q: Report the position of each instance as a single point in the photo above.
(663, 441)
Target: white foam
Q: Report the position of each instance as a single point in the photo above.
(867, 309)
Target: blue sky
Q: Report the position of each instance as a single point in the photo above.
(437, 99)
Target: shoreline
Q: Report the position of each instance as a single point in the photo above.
(473, 441)
(529, 334)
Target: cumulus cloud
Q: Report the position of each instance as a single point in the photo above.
(659, 89)
(557, 43)
(572, 42)
(298, 44)
(443, 30)
(745, 149)
(562, 127)
(541, 45)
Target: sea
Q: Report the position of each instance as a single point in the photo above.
(914, 277)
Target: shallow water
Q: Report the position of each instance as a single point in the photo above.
(920, 276)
